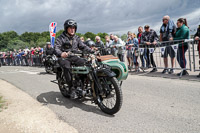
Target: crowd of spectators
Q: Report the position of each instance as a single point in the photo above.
(146, 37)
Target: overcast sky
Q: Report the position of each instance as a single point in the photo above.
(110, 16)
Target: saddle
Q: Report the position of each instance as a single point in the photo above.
(106, 57)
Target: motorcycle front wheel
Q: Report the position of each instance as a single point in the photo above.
(110, 100)
(64, 89)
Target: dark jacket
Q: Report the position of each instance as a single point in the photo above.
(49, 51)
(150, 36)
(65, 43)
(197, 33)
(99, 45)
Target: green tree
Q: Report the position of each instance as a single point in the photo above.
(90, 35)
(10, 34)
(102, 36)
(59, 33)
(124, 37)
(6, 37)
(16, 44)
(41, 42)
(26, 37)
(79, 34)
(11, 40)
(46, 34)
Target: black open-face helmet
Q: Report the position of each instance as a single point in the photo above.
(90, 43)
(70, 23)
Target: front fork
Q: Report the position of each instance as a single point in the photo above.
(96, 87)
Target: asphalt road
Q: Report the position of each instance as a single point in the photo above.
(150, 104)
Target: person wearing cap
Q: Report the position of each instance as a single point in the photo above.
(167, 32)
(149, 37)
(197, 38)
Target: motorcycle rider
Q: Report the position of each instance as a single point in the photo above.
(66, 43)
(49, 51)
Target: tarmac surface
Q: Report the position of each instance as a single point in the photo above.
(152, 103)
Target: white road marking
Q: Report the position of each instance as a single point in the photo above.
(28, 72)
(18, 71)
(45, 99)
(57, 99)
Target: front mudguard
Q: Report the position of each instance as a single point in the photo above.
(105, 73)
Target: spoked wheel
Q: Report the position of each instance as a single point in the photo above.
(64, 89)
(110, 101)
(48, 68)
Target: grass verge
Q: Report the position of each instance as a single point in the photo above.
(2, 104)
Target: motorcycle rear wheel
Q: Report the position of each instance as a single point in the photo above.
(48, 70)
(113, 91)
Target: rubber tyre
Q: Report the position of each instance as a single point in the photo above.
(119, 98)
(63, 88)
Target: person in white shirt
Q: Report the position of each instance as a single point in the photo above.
(119, 45)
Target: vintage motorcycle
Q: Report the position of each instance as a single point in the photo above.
(50, 61)
(98, 79)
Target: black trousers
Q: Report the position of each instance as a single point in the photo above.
(66, 64)
(150, 58)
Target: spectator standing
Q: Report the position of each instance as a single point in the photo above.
(118, 44)
(129, 45)
(182, 33)
(142, 56)
(132, 55)
(167, 32)
(100, 45)
(36, 54)
(108, 44)
(32, 56)
(149, 37)
(82, 39)
(8, 58)
(1, 58)
(41, 51)
(197, 38)
(111, 37)
(14, 57)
